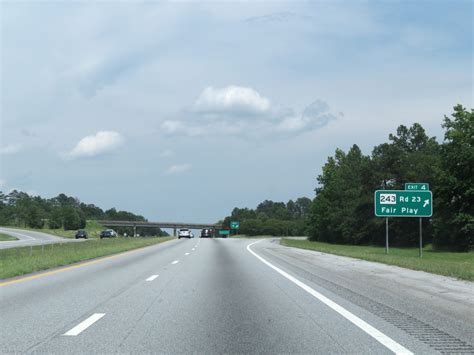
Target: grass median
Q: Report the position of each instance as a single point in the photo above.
(459, 265)
(4, 237)
(25, 260)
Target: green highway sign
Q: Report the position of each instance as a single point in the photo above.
(403, 203)
(224, 232)
(423, 186)
(234, 225)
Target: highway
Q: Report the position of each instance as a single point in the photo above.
(218, 296)
(28, 238)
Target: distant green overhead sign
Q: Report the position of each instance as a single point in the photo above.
(224, 232)
(423, 186)
(234, 225)
(403, 203)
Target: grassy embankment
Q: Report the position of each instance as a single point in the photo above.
(460, 265)
(4, 237)
(92, 228)
(25, 260)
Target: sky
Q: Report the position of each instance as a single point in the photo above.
(181, 111)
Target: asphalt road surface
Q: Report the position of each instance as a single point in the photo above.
(28, 238)
(235, 296)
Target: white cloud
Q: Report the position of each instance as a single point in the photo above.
(172, 127)
(291, 124)
(275, 123)
(233, 100)
(315, 115)
(167, 153)
(178, 168)
(93, 145)
(181, 128)
(10, 149)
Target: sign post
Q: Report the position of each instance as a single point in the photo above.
(415, 201)
(424, 187)
(421, 239)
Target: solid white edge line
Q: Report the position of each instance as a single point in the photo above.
(175, 262)
(374, 333)
(151, 278)
(84, 324)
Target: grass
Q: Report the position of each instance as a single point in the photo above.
(92, 228)
(245, 236)
(4, 237)
(459, 265)
(19, 261)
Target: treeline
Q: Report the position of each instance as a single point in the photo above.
(69, 213)
(343, 209)
(273, 218)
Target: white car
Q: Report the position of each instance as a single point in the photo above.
(184, 233)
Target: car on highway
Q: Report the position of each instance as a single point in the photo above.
(206, 233)
(108, 233)
(184, 233)
(81, 234)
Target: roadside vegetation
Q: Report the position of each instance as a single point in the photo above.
(25, 260)
(93, 229)
(272, 218)
(459, 265)
(4, 237)
(342, 211)
(63, 215)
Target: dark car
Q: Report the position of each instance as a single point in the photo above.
(108, 233)
(206, 233)
(81, 234)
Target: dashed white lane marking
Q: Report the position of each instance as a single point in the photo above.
(193, 249)
(186, 253)
(78, 329)
(175, 262)
(151, 278)
(374, 333)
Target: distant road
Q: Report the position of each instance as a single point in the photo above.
(216, 296)
(27, 238)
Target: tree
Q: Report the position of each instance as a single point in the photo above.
(343, 205)
(55, 219)
(303, 206)
(34, 216)
(454, 220)
(271, 218)
(270, 209)
(71, 218)
(411, 156)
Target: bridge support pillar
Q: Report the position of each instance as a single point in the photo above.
(134, 230)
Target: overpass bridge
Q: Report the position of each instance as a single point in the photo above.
(173, 225)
